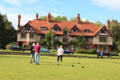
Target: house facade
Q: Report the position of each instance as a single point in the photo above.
(65, 31)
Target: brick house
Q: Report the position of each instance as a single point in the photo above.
(64, 31)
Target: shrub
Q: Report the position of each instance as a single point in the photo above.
(87, 51)
(115, 53)
(53, 50)
(8, 46)
(26, 47)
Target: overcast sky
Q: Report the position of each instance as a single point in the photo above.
(93, 10)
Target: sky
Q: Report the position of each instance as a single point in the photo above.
(93, 10)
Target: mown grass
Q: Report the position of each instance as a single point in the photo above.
(17, 67)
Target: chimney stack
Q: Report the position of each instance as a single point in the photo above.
(108, 24)
(37, 16)
(49, 17)
(19, 17)
(78, 18)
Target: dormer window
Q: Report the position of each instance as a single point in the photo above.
(23, 35)
(74, 29)
(43, 28)
(56, 28)
(87, 31)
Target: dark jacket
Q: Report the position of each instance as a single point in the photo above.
(32, 50)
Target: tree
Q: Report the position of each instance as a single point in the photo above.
(80, 41)
(99, 24)
(63, 18)
(56, 43)
(115, 30)
(43, 18)
(48, 41)
(86, 20)
(74, 19)
(57, 18)
(7, 32)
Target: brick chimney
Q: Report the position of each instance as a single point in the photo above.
(37, 16)
(49, 17)
(78, 18)
(108, 24)
(19, 17)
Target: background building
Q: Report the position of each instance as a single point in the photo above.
(64, 31)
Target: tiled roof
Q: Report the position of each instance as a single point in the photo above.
(36, 24)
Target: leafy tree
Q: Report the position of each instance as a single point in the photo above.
(43, 17)
(63, 18)
(98, 23)
(86, 20)
(57, 18)
(115, 30)
(7, 32)
(74, 19)
(72, 42)
(48, 41)
(80, 42)
(56, 43)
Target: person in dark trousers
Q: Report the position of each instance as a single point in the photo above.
(32, 52)
(60, 53)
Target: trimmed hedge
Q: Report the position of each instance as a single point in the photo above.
(87, 51)
(115, 53)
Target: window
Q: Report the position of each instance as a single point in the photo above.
(87, 31)
(65, 40)
(31, 35)
(74, 47)
(65, 32)
(74, 29)
(42, 36)
(43, 28)
(87, 46)
(23, 35)
(56, 37)
(87, 39)
(103, 39)
(56, 28)
(74, 38)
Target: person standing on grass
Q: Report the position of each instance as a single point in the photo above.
(101, 53)
(37, 53)
(98, 53)
(60, 53)
(32, 52)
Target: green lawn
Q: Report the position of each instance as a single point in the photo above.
(17, 67)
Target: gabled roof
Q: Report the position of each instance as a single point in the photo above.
(37, 23)
(101, 29)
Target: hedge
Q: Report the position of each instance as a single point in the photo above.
(87, 51)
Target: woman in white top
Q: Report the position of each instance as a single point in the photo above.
(60, 53)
